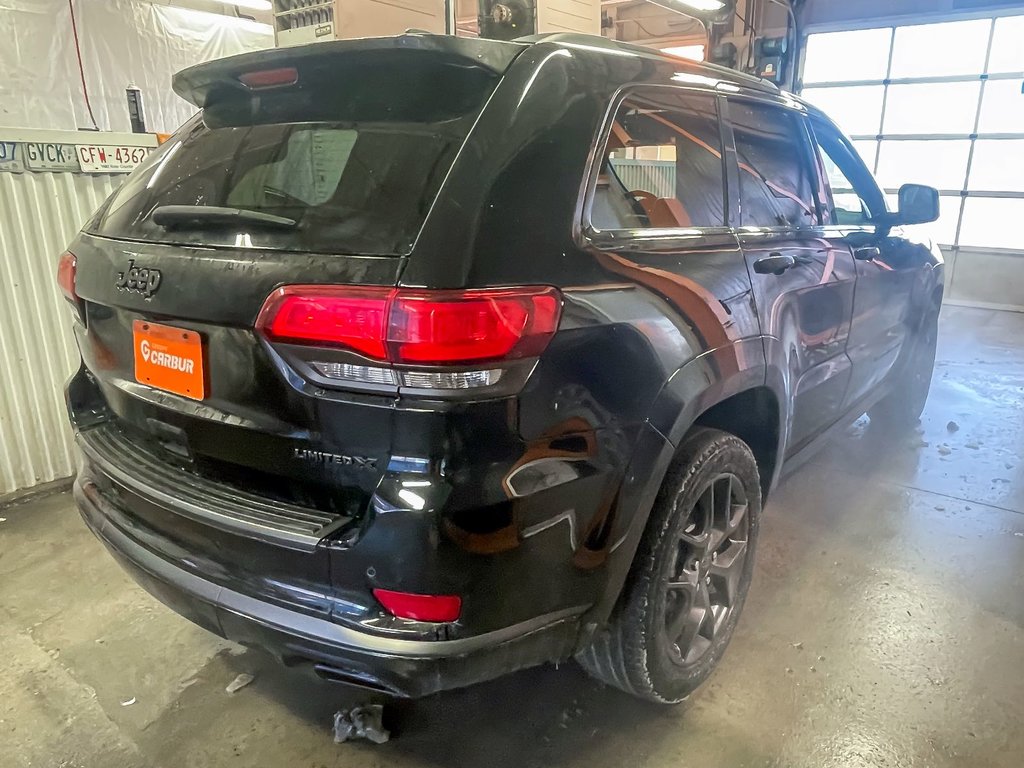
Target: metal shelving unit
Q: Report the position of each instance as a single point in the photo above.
(303, 21)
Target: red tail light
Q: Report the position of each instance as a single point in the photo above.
(66, 268)
(405, 605)
(456, 327)
(334, 316)
(415, 326)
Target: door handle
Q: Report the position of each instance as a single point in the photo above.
(866, 253)
(774, 264)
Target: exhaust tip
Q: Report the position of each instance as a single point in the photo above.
(356, 680)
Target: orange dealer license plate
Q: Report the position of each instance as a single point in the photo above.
(169, 358)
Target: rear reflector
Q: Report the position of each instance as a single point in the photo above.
(416, 327)
(66, 270)
(405, 605)
(270, 78)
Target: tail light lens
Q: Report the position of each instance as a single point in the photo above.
(415, 327)
(328, 316)
(66, 276)
(66, 273)
(442, 327)
(420, 607)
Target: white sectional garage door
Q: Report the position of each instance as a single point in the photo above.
(940, 104)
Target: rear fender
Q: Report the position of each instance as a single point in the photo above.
(690, 391)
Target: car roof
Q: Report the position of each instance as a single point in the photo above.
(196, 83)
(599, 44)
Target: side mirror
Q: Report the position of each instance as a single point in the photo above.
(918, 204)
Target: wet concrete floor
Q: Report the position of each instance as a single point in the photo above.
(885, 627)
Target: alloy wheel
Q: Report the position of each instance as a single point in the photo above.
(702, 586)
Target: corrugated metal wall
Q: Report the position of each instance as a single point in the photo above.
(39, 215)
(657, 176)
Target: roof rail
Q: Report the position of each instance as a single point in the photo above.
(598, 41)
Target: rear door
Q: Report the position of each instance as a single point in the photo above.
(659, 217)
(885, 272)
(803, 284)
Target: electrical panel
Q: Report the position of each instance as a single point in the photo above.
(303, 21)
(308, 21)
(770, 57)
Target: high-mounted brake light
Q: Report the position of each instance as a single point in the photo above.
(66, 269)
(405, 605)
(269, 78)
(415, 327)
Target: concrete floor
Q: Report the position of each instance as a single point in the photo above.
(885, 627)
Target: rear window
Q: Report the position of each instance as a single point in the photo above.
(354, 153)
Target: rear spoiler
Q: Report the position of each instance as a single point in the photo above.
(205, 83)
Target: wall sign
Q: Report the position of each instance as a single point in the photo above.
(10, 157)
(40, 156)
(96, 158)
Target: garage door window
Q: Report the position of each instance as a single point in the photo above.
(937, 104)
(853, 195)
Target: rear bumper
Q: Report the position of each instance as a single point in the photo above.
(400, 667)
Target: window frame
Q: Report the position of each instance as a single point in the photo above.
(827, 195)
(593, 234)
(808, 150)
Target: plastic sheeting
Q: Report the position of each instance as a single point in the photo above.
(122, 42)
(37, 60)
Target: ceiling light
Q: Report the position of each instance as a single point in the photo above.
(254, 5)
(694, 52)
(685, 6)
(704, 5)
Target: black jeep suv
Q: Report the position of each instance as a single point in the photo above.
(422, 359)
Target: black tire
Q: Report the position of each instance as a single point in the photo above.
(904, 404)
(635, 651)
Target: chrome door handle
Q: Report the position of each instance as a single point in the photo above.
(774, 264)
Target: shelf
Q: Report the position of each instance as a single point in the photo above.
(318, 7)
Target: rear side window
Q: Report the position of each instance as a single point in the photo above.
(354, 154)
(775, 181)
(662, 166)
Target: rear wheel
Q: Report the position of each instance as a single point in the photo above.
(904, 405)
(690, 576)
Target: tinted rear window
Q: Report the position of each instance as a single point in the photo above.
(664, 164)
(355, 153)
